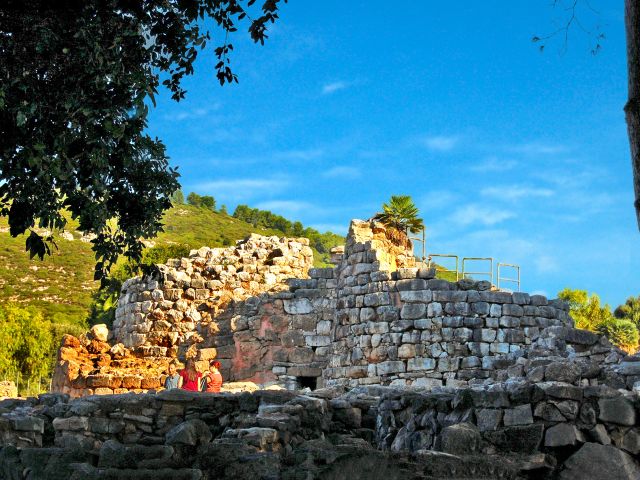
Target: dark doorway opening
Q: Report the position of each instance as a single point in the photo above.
(308, 382)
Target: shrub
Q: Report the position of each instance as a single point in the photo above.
(622, 333)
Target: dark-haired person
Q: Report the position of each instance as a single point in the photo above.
(190, 377)
(214, 377)
(174, 379)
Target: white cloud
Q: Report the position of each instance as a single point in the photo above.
(339, 228)
(284, 206)
(478, 214)
(329, 88)
(546, 264)
(515, 192)
(538, 148)
(242, 188)
(494, 164)
(192, 113)
(436, 199)
(441, 143)
(342, 171)
(304, 154)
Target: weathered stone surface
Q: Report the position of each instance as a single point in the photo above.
(462, 438)
(192, 432)
(520, 415)
(595, 462)
(562, 435)
(617, 410)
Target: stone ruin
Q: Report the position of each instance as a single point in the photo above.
(406, 376)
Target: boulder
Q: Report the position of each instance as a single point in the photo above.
(618, 410)
(459, 439)
(192, 432)
(562, 435)
(100, 332)
(596, 462)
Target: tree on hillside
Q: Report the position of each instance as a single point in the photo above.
(26, 340)
(177, 198)
(630, 310)
(76, 80)
(585, 309)
(589, 314)
(400, 216)
(207, 201)
(194, 199)
(621, 333)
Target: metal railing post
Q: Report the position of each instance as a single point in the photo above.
(489, 273)
(506, 279)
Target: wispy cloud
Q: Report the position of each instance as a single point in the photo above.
(285, 206)
(242, 188)
(494, 164)
(339, 228)
(441, 143)
(516, 192)
(192, 113)
(546, 264)
(329, 88)
(480, 214)
(538, 148)
(436, 199)
(303, 154)
(342, 171)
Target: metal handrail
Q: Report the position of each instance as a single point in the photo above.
(446, 255)
(489, 273)
(422, 240)
(506, 279)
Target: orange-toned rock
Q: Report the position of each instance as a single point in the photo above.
(103, 391)
(99, 381)
(104, 360)
(150, 382)
(67, 353)
(131, 381)
(116, 382)
(70, 341)
(96, 347)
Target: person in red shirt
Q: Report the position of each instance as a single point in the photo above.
(214, 377)
(190, 377)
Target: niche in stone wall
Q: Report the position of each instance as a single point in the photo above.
(307, 382)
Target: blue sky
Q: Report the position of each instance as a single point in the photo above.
(508, 152)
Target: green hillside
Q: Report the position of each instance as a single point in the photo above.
(62, 285)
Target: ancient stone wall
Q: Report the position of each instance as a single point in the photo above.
(567, 424)
(268, 318)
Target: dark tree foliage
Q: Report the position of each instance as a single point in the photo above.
(74, 79)
(322, 242)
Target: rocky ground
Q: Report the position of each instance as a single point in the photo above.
(556, 428)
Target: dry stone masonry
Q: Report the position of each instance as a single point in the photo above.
(373, 319)
(408, 376)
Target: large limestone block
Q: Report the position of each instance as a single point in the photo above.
(617, 410)
(298, 306)
(460, 439)
(100, 332)
(596, 462)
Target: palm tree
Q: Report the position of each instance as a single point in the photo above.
(400, 216)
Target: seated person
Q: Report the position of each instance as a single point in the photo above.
(213, 377)
(173, 380)
(190, 377)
